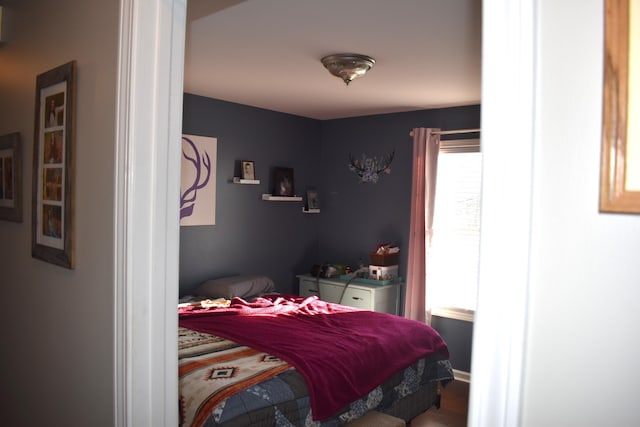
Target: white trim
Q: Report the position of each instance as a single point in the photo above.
(453, 313)
(122, 335)
(462, 376)
(148, 129)
(508, 100)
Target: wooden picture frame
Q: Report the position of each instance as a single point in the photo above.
(283, 182)
(11, 177)
(620, 157)
(52, 235)
(248, 170)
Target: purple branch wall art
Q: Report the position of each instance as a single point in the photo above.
(198, 180)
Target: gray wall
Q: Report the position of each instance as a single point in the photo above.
(358, 216)
(458, 334)
(252, 235)
(276, 239)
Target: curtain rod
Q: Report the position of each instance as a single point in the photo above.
(452, 132)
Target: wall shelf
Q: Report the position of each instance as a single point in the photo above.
(237, 180)
(273, 198)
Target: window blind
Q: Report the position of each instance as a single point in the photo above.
(452, 259)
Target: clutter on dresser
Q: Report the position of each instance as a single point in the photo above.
(383, 269)
(327, 270)
(384, 262)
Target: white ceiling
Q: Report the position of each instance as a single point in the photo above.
(266, 53)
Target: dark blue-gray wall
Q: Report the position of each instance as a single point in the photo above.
(252, 236)
(255, 236)
(458, 334)
(358, 216)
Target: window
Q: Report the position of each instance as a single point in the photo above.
(452, 260)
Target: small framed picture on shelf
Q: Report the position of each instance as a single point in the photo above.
(312, 200)
(248, 170)
(283, 182)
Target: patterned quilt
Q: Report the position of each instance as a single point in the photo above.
(225, 384)
(212, 369)
(346, 350)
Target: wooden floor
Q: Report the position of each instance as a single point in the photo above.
(453, 410)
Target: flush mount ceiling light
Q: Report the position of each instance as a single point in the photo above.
(348, 66)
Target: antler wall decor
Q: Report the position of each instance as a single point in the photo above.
(370, 169)
(199, 161)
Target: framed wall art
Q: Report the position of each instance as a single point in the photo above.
(312, 200)
(198, 180)
(248, 169)
(52, 234)
(11, 177)
(620, 158)
(283, 182)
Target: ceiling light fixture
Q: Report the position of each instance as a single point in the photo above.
(348, 66)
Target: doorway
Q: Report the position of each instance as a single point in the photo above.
(146, 379)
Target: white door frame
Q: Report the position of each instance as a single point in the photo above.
(151, 62)
(508, 145)
(149, 126)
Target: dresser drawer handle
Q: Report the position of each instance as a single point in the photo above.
(357, 298)
(314, 291)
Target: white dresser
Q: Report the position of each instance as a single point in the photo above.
(382, 298)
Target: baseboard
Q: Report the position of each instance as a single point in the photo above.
(462, 376)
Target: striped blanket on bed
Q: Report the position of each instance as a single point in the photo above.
(211, 369)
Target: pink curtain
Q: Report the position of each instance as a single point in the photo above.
(426, 146)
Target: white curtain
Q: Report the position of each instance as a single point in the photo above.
(426, 146)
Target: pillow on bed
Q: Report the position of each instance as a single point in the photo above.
(236, 286)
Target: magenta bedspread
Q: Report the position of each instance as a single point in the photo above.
(342, 352)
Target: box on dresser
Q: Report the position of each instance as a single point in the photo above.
(380, 272)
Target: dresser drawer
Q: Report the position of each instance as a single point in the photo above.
(380, 298)
(359, 298)
(336, 293)
(308, 288)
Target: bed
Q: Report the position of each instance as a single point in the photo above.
(285, 360)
